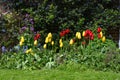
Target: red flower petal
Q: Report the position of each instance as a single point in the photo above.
(67, 31)
(99, 36)
(99, 29)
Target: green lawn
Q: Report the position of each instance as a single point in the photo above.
(57, 74)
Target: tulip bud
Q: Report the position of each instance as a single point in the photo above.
(71, 42)
(83, 34)
(45, 46)
(61, 44)
(49, 39)
(79, 35)
(50, 35)
(35, 42)
(60, 41)
(22, 39)
(101, 34)
(103, 39)
(21, 43)
(27, 51)
(76, 34)
(46, 40)
(52, 43)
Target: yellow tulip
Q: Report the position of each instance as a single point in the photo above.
(71, 42)
(52, 42)
(21, 43)
(83, 34)
(46, 40)
(50, 35)
(103, 39)
(101, 34)
(60, 41)
(79, 35)
(45, 46)
(22, 39)
(61, 44)
(35, 42)
(76, 34)
(49, 39)
(28, 51)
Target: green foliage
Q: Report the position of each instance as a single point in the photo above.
(10, 29)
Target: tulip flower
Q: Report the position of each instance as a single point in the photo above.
(61, 44)
(67, 31)
(83, 34)
(60, 41)
(45, 46)
(37, 36)
(22, 39)
(103, 39)
(49, 39)
(64, 32)
(46, 40)
(71, 42)
(101, 34)
(28, 51)
(52, 43)
(20, 43)
(78, 35)
(99, 29)
(35, 42)
(50, 35)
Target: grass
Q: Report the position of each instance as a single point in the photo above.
(57, 74)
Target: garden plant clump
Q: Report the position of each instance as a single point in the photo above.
(48, 35)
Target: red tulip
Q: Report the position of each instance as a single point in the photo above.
(99, 29)
(99, 36)
(89, 34)
(92, 37)
(67, 31)
(37, 36)
(64, 32)
(61, 34)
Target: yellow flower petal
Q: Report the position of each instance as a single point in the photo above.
(35, 42)
(83, 34)
(61, 44)
(50, 35)
(22, 39)
(49, 39)
(27, 51)
(45, 46)
(46, 40)
(101, 34)
(79, 35)
(60, 41)
(71, 42)
(76, 34)
(52, 42)
(20, 43)
(103, 39)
